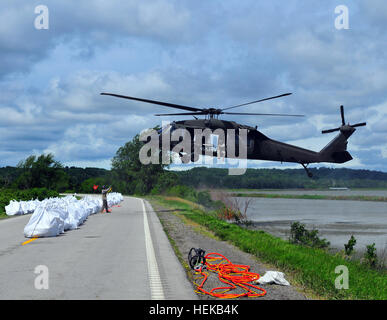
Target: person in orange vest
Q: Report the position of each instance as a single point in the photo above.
(105, 191)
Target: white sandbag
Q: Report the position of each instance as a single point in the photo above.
(98, 204)
(14, 208)
(26, 207)
(91, 204)
(72, 219)
(86, 208)
(77, 213)
(46, 221)
(83, 210)
(273, 277)
(71, 222)
(114, 198)
(33, 204)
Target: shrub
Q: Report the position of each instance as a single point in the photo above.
(300, 235)
(370, 255)
(185, 192)
(349, 246)
(232, 208)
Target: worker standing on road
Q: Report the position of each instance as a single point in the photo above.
(105, 191)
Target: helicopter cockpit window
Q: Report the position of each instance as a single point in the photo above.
(212, 144)
(214, 141)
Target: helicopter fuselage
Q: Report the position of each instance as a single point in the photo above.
(259, 146)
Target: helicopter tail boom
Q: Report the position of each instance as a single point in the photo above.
(336, 150)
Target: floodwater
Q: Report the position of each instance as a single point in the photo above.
(338, 193)
(336, 220)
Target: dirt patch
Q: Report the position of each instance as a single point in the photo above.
(185, 235)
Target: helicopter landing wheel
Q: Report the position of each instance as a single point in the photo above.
(308, 172)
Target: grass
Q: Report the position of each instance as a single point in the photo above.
(308, 196)
(183, 208)
(313, 268)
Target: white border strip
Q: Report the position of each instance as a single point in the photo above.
(156, 286)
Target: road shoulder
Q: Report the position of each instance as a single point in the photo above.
(184, 236)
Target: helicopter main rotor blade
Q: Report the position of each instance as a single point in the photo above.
(181, 114)
(245, 104)
(166, 104)
(264, 114)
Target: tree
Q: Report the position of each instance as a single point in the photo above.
(131, 176)
(88, 184)
(41, 172)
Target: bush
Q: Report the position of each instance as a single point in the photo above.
(185, 192)
(232, 208)
(88, 184)
(165, 181)
(370, 255)
(349, 246)
(300, 235)
(204, 198)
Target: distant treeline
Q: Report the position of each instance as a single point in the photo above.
(283, 179)
(129, 176)
(82, 179)
(70, 179)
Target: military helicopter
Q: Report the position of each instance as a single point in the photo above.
(259, 146)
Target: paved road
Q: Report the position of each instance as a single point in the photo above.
(122, 255)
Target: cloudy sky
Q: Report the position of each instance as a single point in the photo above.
(197, 53)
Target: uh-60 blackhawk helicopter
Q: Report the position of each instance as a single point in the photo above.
(259, 146)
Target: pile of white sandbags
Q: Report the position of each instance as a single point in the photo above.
(21, 207)
(57, 215)
(114, 198)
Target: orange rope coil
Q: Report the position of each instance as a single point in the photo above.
(233, 275)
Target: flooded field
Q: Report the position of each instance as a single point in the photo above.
(338, 193)
(336, 220)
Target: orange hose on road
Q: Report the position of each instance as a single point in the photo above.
(233, 275)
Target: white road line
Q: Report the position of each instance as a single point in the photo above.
(155, 284)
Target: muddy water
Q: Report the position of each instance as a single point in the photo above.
(359, 192)
(336, 220)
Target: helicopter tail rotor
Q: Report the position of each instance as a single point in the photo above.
(343, 125)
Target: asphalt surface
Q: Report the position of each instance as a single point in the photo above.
(120, 255)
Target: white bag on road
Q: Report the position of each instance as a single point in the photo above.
(14, 208)
(46, 221)
(273, 277)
